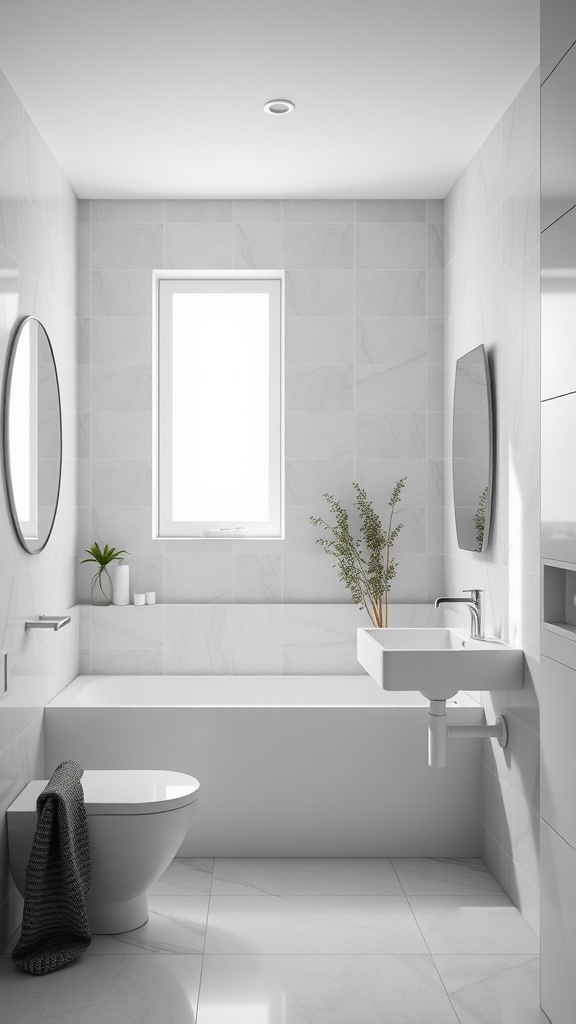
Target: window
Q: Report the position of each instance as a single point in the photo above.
(218, 424)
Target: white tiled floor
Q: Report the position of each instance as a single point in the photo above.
(301, 941)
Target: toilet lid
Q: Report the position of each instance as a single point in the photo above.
(123, 792)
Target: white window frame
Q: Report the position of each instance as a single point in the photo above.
(165, 284)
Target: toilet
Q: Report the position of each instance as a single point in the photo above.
(136, 823)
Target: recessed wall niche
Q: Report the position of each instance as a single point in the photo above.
(559, 598)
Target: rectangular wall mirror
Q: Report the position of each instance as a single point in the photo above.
(472, 450)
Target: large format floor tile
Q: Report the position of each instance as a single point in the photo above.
(312, 924)
(305, 876)
(176, 925)
(473, 924)
(493, 989)
(103, 990)
(322, 990)
(445, 876)
(187, 876)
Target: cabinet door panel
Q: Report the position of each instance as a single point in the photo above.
(558, 749)
(557, 927)
(558, 134)
(558, 257)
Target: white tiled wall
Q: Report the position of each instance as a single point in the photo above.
(243, 639)
(492, 296)
(38, 265)
(364, 394)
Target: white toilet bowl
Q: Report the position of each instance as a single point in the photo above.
(136, 822)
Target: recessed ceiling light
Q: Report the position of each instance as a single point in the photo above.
(278, 107)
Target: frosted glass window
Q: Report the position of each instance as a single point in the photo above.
(219, 407)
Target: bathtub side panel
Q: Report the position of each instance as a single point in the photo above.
(291, 782)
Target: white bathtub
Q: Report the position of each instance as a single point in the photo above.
(289, 765)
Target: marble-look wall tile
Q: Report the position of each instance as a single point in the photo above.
(318, 246)
(391, 246)
(122, 527)
(196, 578)
(121, 293)
(126, 340)
(199, 246)
(390, 293)
(198, 210)
(310, 577)
(319, 388)
(520, 221)
(257, 245)
(325, 339)
(435, 211)
(124, 211)
(319, 293)
(10, 181)
(390, 339)
(397, 435)
(127, 434)
(317, 211)
(121, 482)
(435, 247)
(521, 134)
(308, 479)
(394, 388)
(121, 388)
(330, 627)
(126, 246)
(319, 435)
(492, 298)
(40, 266)
(127, 628)
(259, 211)
(126, 662)
(258, 578)
(224, 639)
(390, 210)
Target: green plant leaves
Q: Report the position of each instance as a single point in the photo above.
(104, 557)
(365, 567)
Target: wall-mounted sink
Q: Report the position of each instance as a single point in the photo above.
(438, 662)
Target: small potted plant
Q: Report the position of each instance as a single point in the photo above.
(365, 567)
(101, 585)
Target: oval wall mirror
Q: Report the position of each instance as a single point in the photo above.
(472, 450)
(32, 435)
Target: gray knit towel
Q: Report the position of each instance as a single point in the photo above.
(55, 927)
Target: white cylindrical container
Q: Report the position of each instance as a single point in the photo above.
(150, 597)
(121, 584)
(138, 599)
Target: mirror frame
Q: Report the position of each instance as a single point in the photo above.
(20, 324)
(490, 484)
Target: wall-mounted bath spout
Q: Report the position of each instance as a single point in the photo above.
(439, 731)
(48, 622)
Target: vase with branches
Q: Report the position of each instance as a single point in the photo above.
(101, 584)
(365, 565)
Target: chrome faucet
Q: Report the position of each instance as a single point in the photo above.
(474, 604)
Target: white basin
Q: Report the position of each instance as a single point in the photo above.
(438, 662)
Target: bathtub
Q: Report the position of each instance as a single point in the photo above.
(290, 766)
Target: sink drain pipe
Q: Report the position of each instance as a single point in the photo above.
(439, 731)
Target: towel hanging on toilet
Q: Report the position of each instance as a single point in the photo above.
(55, 927)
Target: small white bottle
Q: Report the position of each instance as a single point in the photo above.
(121, 584)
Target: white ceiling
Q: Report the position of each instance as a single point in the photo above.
(151, 98)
